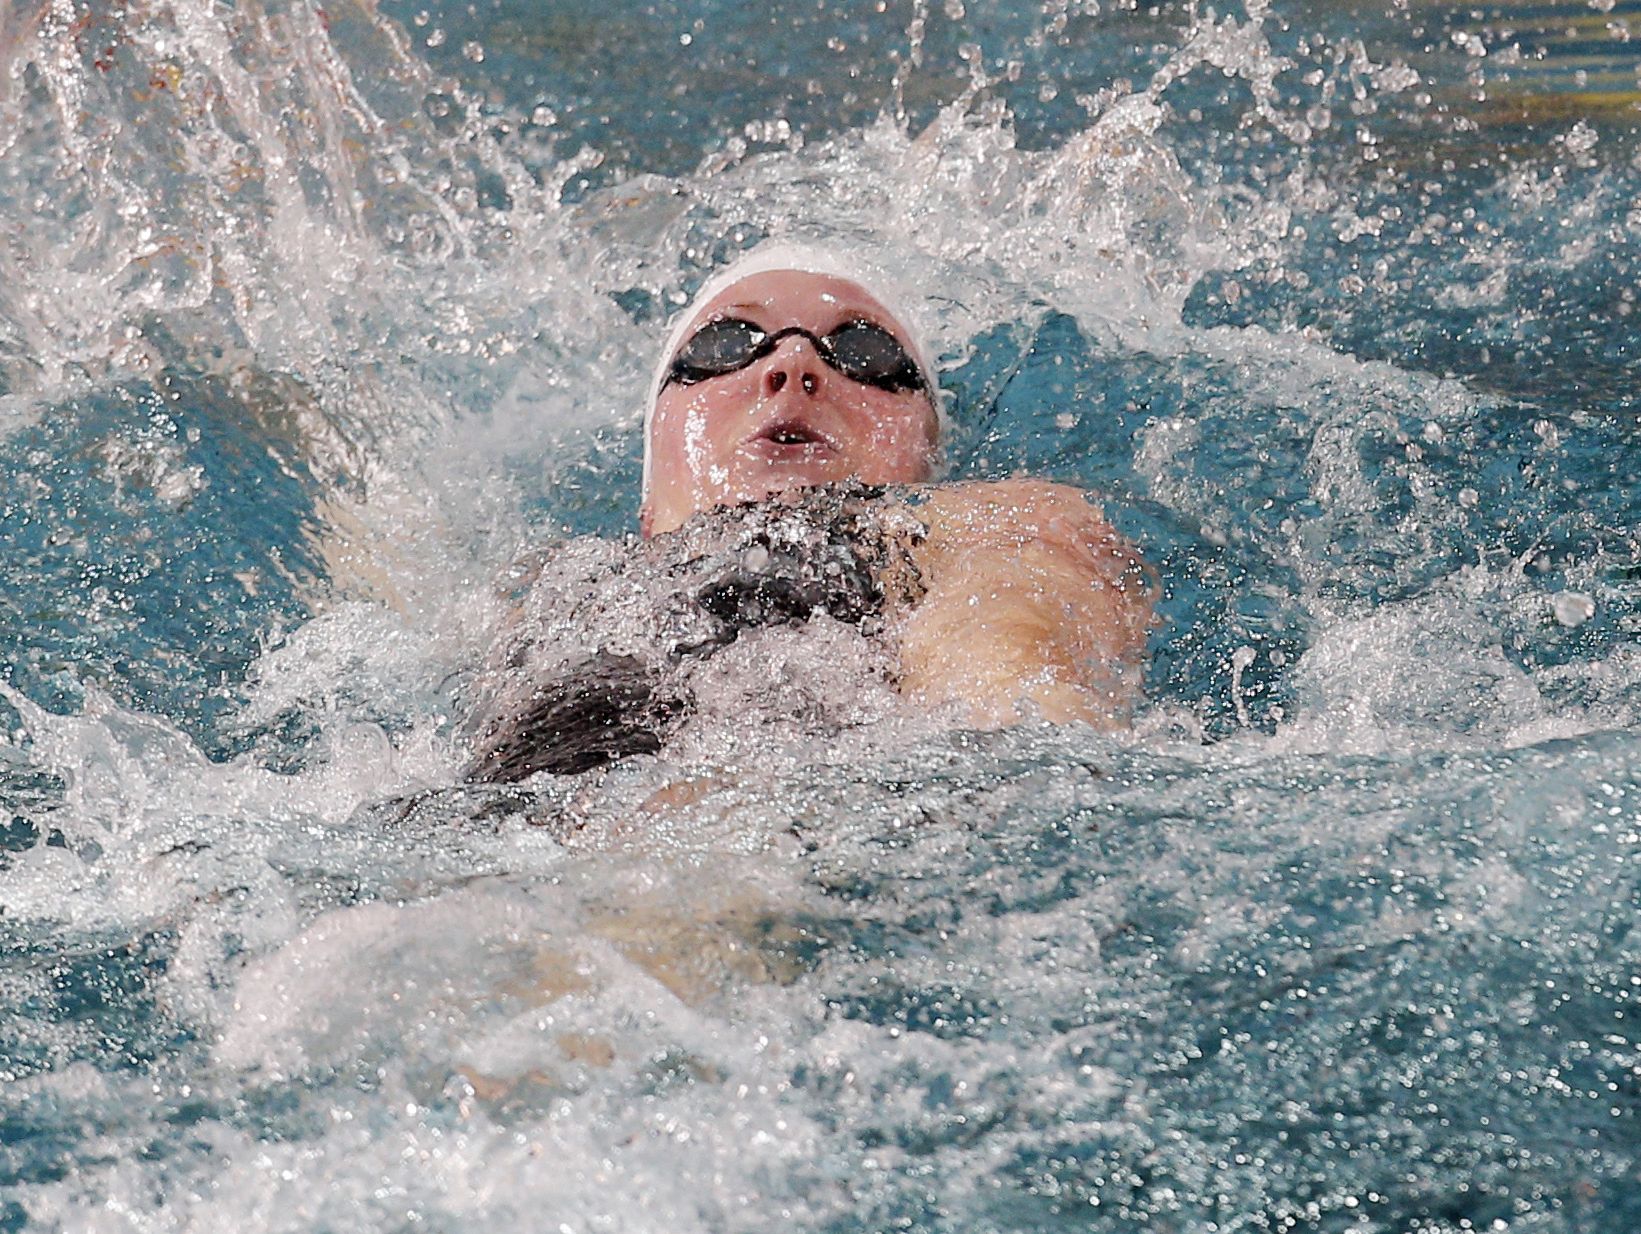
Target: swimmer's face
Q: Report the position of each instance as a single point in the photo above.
(789, 420)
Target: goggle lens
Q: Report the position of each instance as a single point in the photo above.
(868, 353)
(862, 351)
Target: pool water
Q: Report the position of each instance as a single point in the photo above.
(312, 319)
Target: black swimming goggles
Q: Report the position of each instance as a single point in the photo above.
(862, 351)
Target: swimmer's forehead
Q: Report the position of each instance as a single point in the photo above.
(797, 297)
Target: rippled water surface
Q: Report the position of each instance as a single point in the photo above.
(314, 318)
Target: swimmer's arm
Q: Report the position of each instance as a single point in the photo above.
(1034, 604)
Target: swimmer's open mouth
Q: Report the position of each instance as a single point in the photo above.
(792, 434)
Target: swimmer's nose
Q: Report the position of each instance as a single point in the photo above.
(794, 363)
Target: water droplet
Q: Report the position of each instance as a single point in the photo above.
(1573, 608)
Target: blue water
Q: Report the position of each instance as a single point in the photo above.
(311, 320)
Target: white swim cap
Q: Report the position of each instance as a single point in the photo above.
(787, 255)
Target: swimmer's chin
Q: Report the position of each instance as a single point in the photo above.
(770, 468)
(784, 484)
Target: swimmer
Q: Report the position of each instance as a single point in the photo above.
(787, 386)
(788, 375)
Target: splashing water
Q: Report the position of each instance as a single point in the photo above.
(314, 318)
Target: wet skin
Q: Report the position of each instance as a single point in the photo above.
(786, 421)
(1034, 606)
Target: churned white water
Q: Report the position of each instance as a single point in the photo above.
(314, 318)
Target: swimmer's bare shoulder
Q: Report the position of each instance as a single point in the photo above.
(1033, 604)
